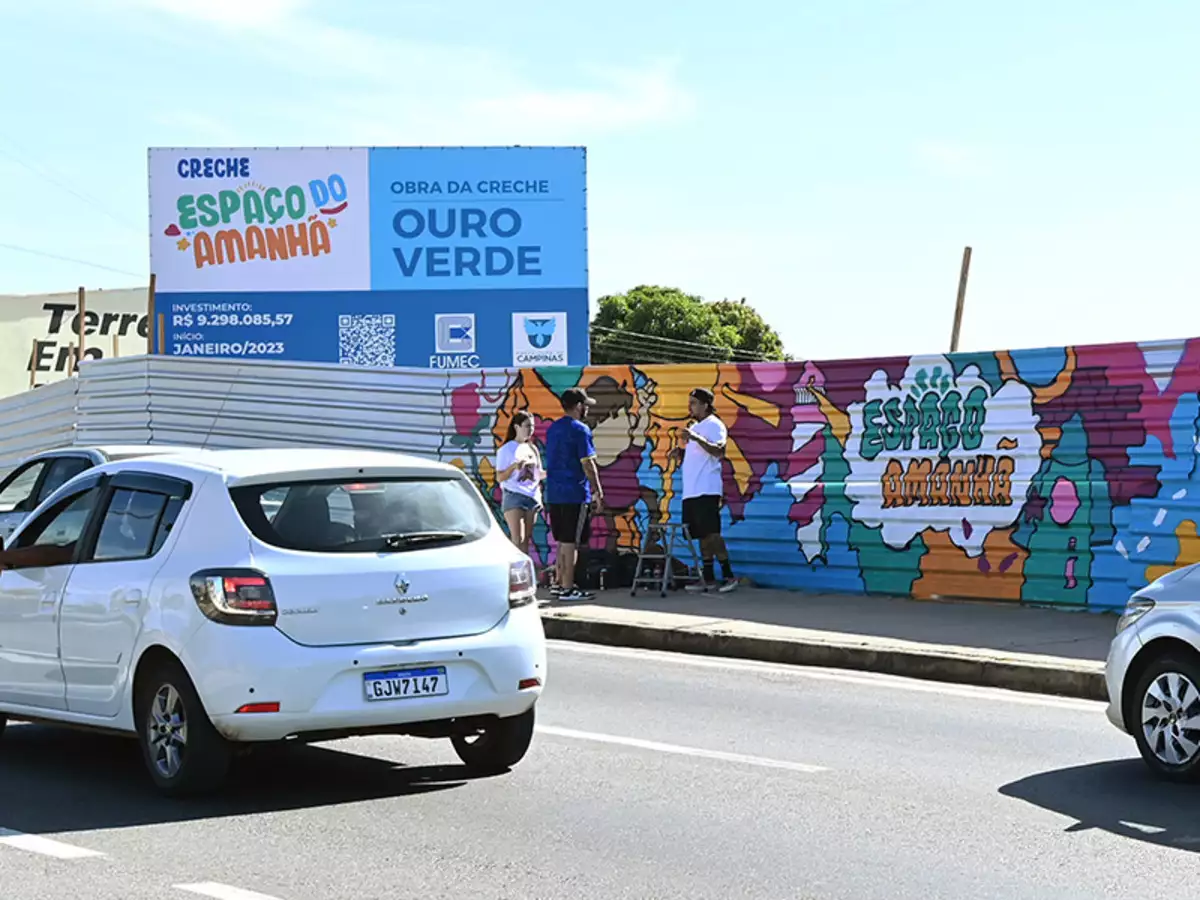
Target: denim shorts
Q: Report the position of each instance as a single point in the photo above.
(513, 500)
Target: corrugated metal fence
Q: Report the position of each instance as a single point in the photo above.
(1063, 476)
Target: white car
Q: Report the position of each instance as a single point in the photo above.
(37, 477)
(212, 600)
(1153, 674)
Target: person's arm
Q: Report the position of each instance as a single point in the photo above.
(592, 470)
(677, 453)
(714, 444)
(506, 466)
(587, 456)
(37, 556)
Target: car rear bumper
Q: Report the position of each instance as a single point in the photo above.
(1124, 648)
(320, 689)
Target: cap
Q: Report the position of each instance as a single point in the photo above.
(704, 395)
(572, 397)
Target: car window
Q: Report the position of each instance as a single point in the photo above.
(166, 523)
(60, 472)
(271, 501)
(60, 525)
(351, 517)
(17, 494)
(129, 526)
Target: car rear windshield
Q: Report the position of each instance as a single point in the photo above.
(388, 516)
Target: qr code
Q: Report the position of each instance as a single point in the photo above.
(367, 340)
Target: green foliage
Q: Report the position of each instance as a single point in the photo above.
(660, 324)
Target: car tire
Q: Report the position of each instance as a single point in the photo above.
(497, 747)
(1165, 719)
(3, 724)
(182, 750)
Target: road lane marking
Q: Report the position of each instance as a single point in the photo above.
(222, 891)
(864, 679)
(32, 843)
(677, 750)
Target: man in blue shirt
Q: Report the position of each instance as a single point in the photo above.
(572, 486)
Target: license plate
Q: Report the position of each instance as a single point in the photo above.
(400, 684)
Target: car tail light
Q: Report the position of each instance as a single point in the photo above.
(522, 589)
(235, 596)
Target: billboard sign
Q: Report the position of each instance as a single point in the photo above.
(403, 256)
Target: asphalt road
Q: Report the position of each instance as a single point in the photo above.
(654, 777)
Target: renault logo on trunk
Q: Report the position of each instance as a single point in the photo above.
(402, 595)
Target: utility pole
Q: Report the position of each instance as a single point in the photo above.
(962, 298)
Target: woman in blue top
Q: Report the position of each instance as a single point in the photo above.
(520, 473)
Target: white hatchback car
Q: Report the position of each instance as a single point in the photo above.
(1153, 674)
(209, 600)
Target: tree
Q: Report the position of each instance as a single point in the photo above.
(660, 324)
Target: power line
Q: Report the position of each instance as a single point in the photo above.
(649, 348)
(70, 259)
(640, 353)
(648, 344)
(90, 201)
(688, 345)
(663, 346)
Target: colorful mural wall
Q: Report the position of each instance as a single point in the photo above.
(1055, 476)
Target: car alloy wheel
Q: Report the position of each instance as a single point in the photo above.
(1170, 719)
(167, 729)
(184, 754)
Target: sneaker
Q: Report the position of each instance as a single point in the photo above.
(575, 595)
(556, 590)
(728, 585)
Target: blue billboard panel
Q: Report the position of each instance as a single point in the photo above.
(363, 328)
(477, 219)
(464, 257)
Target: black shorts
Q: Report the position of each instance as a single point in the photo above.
(570, 523)
(702, 515)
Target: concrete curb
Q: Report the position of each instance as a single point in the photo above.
(1068, 678)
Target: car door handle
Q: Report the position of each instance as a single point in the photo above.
(133, 598)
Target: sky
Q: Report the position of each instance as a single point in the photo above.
(828, 161)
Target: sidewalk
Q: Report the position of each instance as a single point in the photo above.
(992, 644)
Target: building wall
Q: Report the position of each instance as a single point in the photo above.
(1062, 476)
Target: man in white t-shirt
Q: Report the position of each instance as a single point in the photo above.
(703, 450)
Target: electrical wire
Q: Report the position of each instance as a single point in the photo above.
(676, 342)
(90, 201)
(654, 347)
(70, 259)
